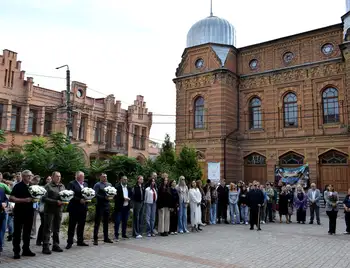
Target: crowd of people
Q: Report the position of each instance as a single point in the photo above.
(174, 206)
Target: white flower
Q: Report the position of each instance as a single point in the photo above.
(66, 195)
(37, 191)
(110, 191)
(88, 193)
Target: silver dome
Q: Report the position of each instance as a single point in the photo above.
(211, 30)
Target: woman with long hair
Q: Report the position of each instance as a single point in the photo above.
(163, 203)
(174, 207)
(182, 190)
(300, 203)
(151, 206)
(233, 198)
(283, 204)
(195, 206)
(332, 198)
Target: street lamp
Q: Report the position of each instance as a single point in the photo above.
(69, 123)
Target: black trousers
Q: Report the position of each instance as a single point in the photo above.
(269, 211)
(22, 222)
(173, 221)
(332, 215)
(347, 221)
(222, 211)
(77, 219)
(253, 217)
(40, 236)
(102, 212)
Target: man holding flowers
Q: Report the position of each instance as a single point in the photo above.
(77, 209)
(23, 215)
(102, 208)
(52, 213)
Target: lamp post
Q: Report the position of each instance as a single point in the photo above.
(69, 122)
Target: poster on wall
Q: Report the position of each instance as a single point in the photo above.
(293, 176)
(214, 171)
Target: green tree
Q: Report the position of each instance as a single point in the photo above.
(187, 164)
(167, 153)
(2, 136)
(11, 161)
(124, 166)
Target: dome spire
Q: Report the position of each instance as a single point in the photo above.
(211, 8)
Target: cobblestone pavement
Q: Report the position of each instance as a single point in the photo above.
(276, 246)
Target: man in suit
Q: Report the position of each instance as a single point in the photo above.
(255, 200)
(122, 207)
(222, 191)
(77, 209)
(314, 196)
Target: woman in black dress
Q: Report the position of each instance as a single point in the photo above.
(283, 204)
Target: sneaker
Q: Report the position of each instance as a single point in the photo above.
(16, 256)
(187, 231)
(125, 237)
(153, 235)
(46, 251)
(175, 233)
(57, 249)
(138, 236)
(181, 232)
(116, 239)
(149, 235)
(95, 242)
(246, 223)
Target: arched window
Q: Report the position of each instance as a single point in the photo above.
(291, 158)
(199, 113)
(330, 105)
(333, 157)
(290, 108)
(255, 113)
(255, 159)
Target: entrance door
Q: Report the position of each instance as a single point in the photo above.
(255, 168)
(334, 169)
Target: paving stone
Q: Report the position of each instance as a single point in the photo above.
(235, 246)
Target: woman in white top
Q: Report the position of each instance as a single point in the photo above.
(151, 196)
(195, 206)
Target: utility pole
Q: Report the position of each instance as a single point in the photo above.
(69, 122)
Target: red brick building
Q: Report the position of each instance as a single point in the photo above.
(284, 102)
(100, 126)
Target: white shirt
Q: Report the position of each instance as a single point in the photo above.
(313, 194)
(125, 194)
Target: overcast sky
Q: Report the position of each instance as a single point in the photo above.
(131, 47)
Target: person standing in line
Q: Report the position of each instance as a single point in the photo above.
(332, 199)
(346, 205)
(300, 203)
(151, 197)
(52, 213)
(314, 196)
(222, 202)
(213, 203)
(35, 181)
(40, 236)
(3, 205)
(174, 207)
(77, 209)
(122, 207)
(233, 197)
(270, 196)
(255, 199)
(207, 198)
(195, 207)
(102, 209)
(182, 190)
(138, 207)
(243, 200)
(163, 203)
(23, 215)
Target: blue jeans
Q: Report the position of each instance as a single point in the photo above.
(2, 231)
(234, 210)
(150, 217)
(244, 213)
(213, 209)
(121, 216)
(10, 224)
(182, 217)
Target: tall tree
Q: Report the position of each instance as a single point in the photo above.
(187, 164)
(167, 153)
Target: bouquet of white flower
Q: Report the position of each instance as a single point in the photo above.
(66, 196)
(88, 193)
(37, 192)
(110, 192)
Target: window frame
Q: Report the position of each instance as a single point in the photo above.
(326, 103)
(199, 113)
(289, 108)
(252, 113)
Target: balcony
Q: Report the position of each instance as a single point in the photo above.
(110, 149)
